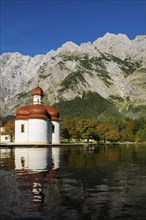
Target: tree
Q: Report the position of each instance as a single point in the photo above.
(65, 133)
(86, 129)
(141, 135)
(9, 129)
(96, 136)
(128, 131)
(113, 135)
(68, 129)
(103, 129)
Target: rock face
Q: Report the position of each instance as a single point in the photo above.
(112, 66)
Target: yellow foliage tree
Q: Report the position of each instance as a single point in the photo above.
(102, 130)
(113, 135)
(9, 129)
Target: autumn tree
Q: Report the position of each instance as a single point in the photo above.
(103, 129)
(9, 129)
(113, 135)
(79, 129)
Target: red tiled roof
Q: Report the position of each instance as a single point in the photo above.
(37, 91)
(37, 111)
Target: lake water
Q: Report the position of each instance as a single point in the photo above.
(73, 183)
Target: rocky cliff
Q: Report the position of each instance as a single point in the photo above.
(113, 67)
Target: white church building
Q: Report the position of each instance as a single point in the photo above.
(36, 123)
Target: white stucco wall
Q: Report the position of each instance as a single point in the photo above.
(56, 133)
(38, 131)
(21, 137)
(5, 139)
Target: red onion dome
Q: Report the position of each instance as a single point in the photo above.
(39, 111)
(23, 112)
(53, 112)
(37, 91)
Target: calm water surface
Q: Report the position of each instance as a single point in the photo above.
(73, 183)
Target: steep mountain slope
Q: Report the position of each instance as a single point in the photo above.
(113, 67)
(90, 105)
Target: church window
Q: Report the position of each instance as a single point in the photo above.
(53, 128)
(22, 128)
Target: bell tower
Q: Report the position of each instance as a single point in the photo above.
(38, 95)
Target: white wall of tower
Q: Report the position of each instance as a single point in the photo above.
(38, 131)
(37, 99)
(21, 131)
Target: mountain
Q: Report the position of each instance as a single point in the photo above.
(112, 67)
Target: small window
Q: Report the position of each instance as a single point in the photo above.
(22, 128)
(6, 138)
(53, 128)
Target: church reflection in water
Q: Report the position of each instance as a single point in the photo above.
(36, 166)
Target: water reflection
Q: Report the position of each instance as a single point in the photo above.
(32, 160)
(34, 166)
(100, 182)
(5, 153)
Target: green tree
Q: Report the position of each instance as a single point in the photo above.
(68, 129)
(86, 129)
(128, 131)
(141, 135)
(65, 133)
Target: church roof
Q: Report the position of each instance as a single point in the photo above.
(37, 110)
(37, 91)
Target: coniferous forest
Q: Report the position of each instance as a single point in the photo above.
(93, 117)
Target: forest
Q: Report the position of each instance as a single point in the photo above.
(91, 117)
(105, 130)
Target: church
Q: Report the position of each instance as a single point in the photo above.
(36, 123)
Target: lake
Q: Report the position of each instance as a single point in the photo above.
(73, 183)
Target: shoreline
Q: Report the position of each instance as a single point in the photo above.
(68, 144)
